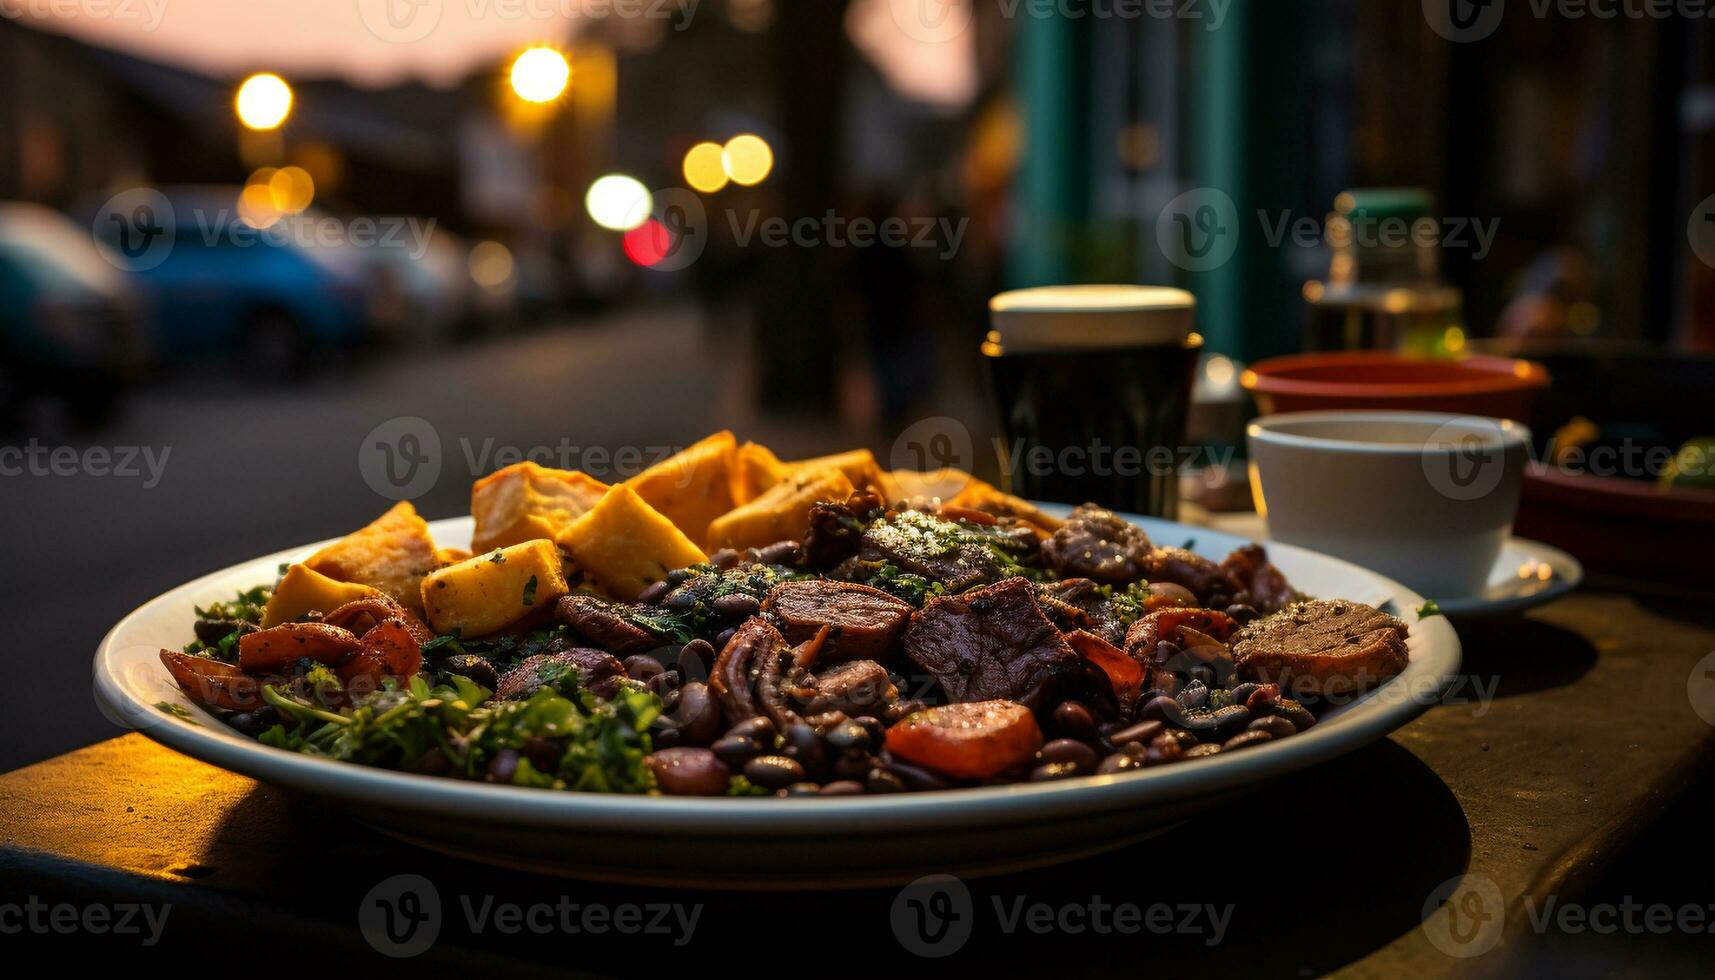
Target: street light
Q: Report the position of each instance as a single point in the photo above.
(748, 159)
(263, 102)
(540, 75)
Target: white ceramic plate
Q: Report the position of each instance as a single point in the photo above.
(1527, 574)
(771, 843)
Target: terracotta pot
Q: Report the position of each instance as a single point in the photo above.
(1497, 387)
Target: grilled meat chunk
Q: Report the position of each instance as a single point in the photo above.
(864, 623)
(602, 623)
(598, 670)
(860, 687)
(1323, 647)
(1202, 576)
(1080, 604)
(993, 643)
(958, 556)
(1251, 571)
(1098, 545)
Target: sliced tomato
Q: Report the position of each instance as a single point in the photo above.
(212, 682)
(1124, 674)
(286, 644)
(967, 741)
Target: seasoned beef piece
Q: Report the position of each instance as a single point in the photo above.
(863, 622)
(861, 687)
(601, 623)
(1099, 545)
(1250, 570)
(599, 671)
(960, 558)
(1079, 604)
(1323, 647)
(993, 643)
(1202, 576)
(836, 530)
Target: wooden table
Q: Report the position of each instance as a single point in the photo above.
(1570, 759)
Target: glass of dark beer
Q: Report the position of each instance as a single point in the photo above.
(1093, 384)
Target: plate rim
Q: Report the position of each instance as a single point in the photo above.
(1367, 719)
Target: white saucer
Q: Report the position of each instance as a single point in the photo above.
(1527, 574)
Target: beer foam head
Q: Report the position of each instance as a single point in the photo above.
(1076, 317)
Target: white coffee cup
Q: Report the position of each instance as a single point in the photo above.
(1424, 498)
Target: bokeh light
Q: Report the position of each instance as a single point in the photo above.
(292, 189)
(748, 159)
(540, 75)
(705, 168)
(648, 243)
(264, 101)
(618, 202)
(490, 265)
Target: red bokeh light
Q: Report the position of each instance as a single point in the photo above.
(648, 243)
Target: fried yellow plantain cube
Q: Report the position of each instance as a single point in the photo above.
(392, 554)
(858, 465)
(781, 513)
(304, 590)
(494, 590)
(526, 501)
(942, 484)
(692, 487)
(624, 545)
(755, 468)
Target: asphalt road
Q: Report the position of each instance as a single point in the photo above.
(223, 469)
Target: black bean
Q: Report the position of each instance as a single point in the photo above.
(723, 636)
(760, 728)
(879, 780)
(801, 742)
(697, 715)
(245, 723)
(690, 772)
(848, 736)
(502, 767)
(1195, 695)
(653, 592)
(665, 684)
(778, 553)
(1070, 752)
(1241, 693)
(667, 738)
(1232, 718)
(695, 658)
(876, 728)
(915, 777)
(1166, 650)
(1245, 740)
(471, 666)
(800, 789)
(724, 558)
(1119, 762)
(902, 709)
(1202, 751)
(843, 787)
(1055, 770)
(773, 771)
(1075, 720)
(736, 605)
(1275, 726)
(1163, 752)
(1164, 709)
(643, 667)
(1204, 674)
(1143, 731)
(854, 765)
(680, 600)
(735, 750)
(1296, 713)
(1241, 613)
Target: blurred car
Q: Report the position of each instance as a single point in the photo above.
(421, 298)
(68, 320)
(268, 292)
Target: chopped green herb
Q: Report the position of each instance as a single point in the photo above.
(530, 591)
(1429, 608)
(178, 711)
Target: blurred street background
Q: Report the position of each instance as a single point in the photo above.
(238, 237)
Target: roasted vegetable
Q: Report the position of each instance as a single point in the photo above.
(304, 591)
(393, 554)
(524, 502)
(967, 741)
(280, 647)
(494, 590)
(782, 513)
(691, 488)
(624, 545)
